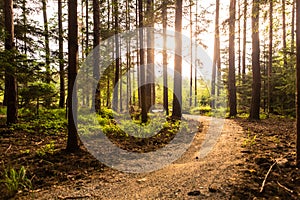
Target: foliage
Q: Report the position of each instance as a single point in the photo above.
(15, 180)
(46, 149)
(249, 141)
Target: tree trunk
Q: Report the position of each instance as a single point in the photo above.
(142, 63)
(270, 62)
(150, 54)
(117, 54)
(72, 142)
(298, 81)
(293, 32)
(47, 48)
(96, 91)
(165, 58)
(231, 75)
(10, 77)
(191, 52)
(177, 95)
(216, 57)
(256, 84)
(196, 58)
(284, 34)
(61, 57)
(244, 43)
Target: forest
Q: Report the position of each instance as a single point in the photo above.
(150, 99)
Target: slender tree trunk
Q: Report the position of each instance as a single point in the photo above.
(165, 58)
(96, 42)
(47, 48)
(239, 41)
(298, 81)
(270, 62)
(87, 46)
(293, 32)
(142, 63)
(231, 75)
(177, 96)
(138, 54)
(61, 57)
(244, 43)
(117, 54)
(256, 85)
(216, 54)
(191, 52)
(10, 77)
(72, 142)
(150, 55)
(284, 34)
(196, 58)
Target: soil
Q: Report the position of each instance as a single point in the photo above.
(234, 169)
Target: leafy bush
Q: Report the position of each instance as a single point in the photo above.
(201, 110)
(46, 149)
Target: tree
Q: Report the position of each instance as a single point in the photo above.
(284, 34)
(270, 62)
(165, 57)
(231, 75)
(150, 54)
(298, 81)
(61, 57)
(10, 77)
(47, 47)
(96, 75)
(256, 77)
(117, 55)
(216, 58)
(177, 95)
(142, 63)
(244, 42)
(72, 142)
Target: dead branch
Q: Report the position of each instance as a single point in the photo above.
(7, 149)
(287, 189)
(264, 182)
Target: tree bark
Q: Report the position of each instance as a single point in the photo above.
(231, 75)
(47, 47)
(142, 63)
(298, 81)
(284, 34)
(270, 62)
(177, 96)
(165, 58)
(216, 57)
(96, 42)
(256, 84)
(61, 57)
(72, 142)
(10, 77)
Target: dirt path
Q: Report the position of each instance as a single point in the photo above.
(211, 177)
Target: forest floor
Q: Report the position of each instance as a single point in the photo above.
(235, 168)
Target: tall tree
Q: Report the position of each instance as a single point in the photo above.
(150, 54)
(61, 57)
(72, 142)
(298, 81)
(270, 62)
(231, 74)
(117, 55)
(47, 47)
(165, 57)
(191, 52)
(216, 58)
(177, 96)
(10, 77)
(284, 34)
(244, 42)
(256, 76)
(96, 42)
(142, 63)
